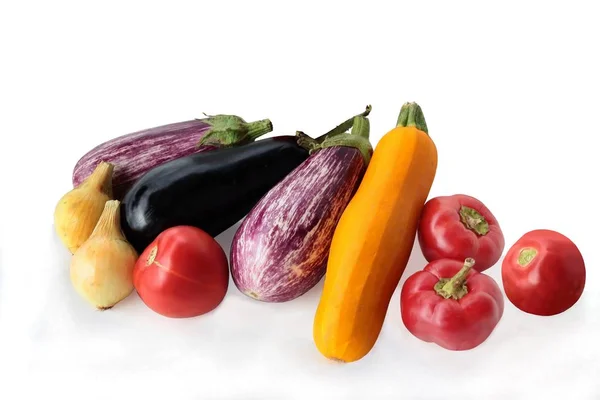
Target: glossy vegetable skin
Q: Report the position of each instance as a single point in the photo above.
(183, 273)
(136, 153)
(452, 305)
(458, 227)
(374, 238)
(210, 191)
(280, 250)
(543, 273)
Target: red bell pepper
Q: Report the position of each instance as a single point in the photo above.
(451, 304)
(543, 273)
(459, 227)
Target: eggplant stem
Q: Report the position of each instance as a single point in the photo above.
(344, 126)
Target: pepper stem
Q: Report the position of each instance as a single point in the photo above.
(474, 221)
(455, 287)
(231, 130)
(412, 115)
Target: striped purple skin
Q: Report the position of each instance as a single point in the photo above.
(280, 250)
(136, 153)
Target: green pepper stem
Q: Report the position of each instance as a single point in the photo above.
(474, 221)
(412, 115)
(455, 287)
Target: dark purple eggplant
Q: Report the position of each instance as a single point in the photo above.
(280, 250)
(136, 153)
(211, 190)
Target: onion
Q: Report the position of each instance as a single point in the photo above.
(102, 268)
(79, 210)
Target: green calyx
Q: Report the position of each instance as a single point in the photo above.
(231, 130)
(412, 115)
(455, 287)
(358, 138)
(307, 142)
(338, 136)
(474, 221)
(526, 255)
(344, 126)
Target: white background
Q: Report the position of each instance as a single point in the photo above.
(511, 95)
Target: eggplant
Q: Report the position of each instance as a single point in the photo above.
(281, 248)
(136, 153)
(210, 190)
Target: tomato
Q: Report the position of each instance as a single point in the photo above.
(543, 273)
(459, 227)
(182, 273)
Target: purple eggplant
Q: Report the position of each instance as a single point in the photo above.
(136, 153)
(280, 250)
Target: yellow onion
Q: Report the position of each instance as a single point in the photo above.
(102, 268)
(78, 211)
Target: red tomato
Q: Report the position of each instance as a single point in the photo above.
(182, 273)
(458, 227)
(543, 273)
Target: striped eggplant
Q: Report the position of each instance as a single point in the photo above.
(136, 153)
(211, 190)
(280, 250)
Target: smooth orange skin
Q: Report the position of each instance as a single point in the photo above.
(372, 244)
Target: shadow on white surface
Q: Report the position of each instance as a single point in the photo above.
(270, 339)
(225, 238)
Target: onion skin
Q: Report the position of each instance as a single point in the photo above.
(280, 250)
(78, 211)
(102, 268)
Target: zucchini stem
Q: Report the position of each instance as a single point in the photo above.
(412, 115)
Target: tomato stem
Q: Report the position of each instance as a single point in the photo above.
(152, 255)
(455, 287)
(526, 255)
(412, 115)
(474, 221)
